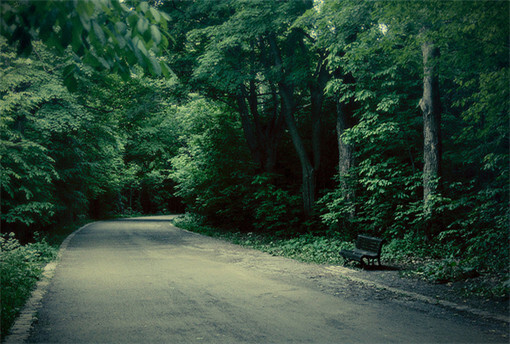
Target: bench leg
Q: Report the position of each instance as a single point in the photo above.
(344, 260)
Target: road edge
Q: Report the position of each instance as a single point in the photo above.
(347, 273)
(20, 330)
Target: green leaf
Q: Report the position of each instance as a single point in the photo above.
(68, 70)
(103, 62)
(76, 41)
(84, 16)
(155, 14)
(132, 20)
(154, 66)
(90, 6)
(142, 26)
(91, 60)
(141, 47)
(164, 42)
(98, 31)
(121, 28)
(144, 6)
(156, 35)
(165, 69)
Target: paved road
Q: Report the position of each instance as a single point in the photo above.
(145, 281)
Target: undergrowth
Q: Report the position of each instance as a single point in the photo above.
(21, 266)
(305, 247)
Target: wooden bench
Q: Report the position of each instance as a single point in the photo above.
(368, 248)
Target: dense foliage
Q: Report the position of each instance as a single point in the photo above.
(107, 35)
(280, 117)
(20, 268)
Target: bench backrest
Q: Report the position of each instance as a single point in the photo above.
(368, 243)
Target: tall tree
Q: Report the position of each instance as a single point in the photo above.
(374, 117)
(263, 69)
(222, 60)
(288, 110)
(339, 23)
(344, 122)
(427, 19)
(430, 105)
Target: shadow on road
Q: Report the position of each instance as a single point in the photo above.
(375, 267)
(141, 220)
(382, 268)
(150, 218)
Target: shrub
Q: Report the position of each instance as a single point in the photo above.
(275, 210)
(446, 270)
(211, 169)
(20, 268)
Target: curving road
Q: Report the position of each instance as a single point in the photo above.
(145, 281)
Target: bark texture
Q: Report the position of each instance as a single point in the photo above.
(344, 121)
(430, 105)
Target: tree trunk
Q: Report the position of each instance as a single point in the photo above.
(249, 130)
(317, 98)
(316, 129)
(272, 136)
(430, 105)
(262, 138)
(308, 172)
(345, 157)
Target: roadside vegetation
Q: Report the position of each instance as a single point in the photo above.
(21, 266)
(411, 255)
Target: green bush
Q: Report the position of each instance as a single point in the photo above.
(308, 248)
(211, 169)
(497, 285)
(446, 270)
(195, 223)
(20, 266)
(275, 210)
(411, 246)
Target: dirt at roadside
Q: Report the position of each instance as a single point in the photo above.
(452, 291)
(395, 277)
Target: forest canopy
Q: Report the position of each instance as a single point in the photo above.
(381, 117)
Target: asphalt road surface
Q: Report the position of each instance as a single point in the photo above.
(145, 281)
